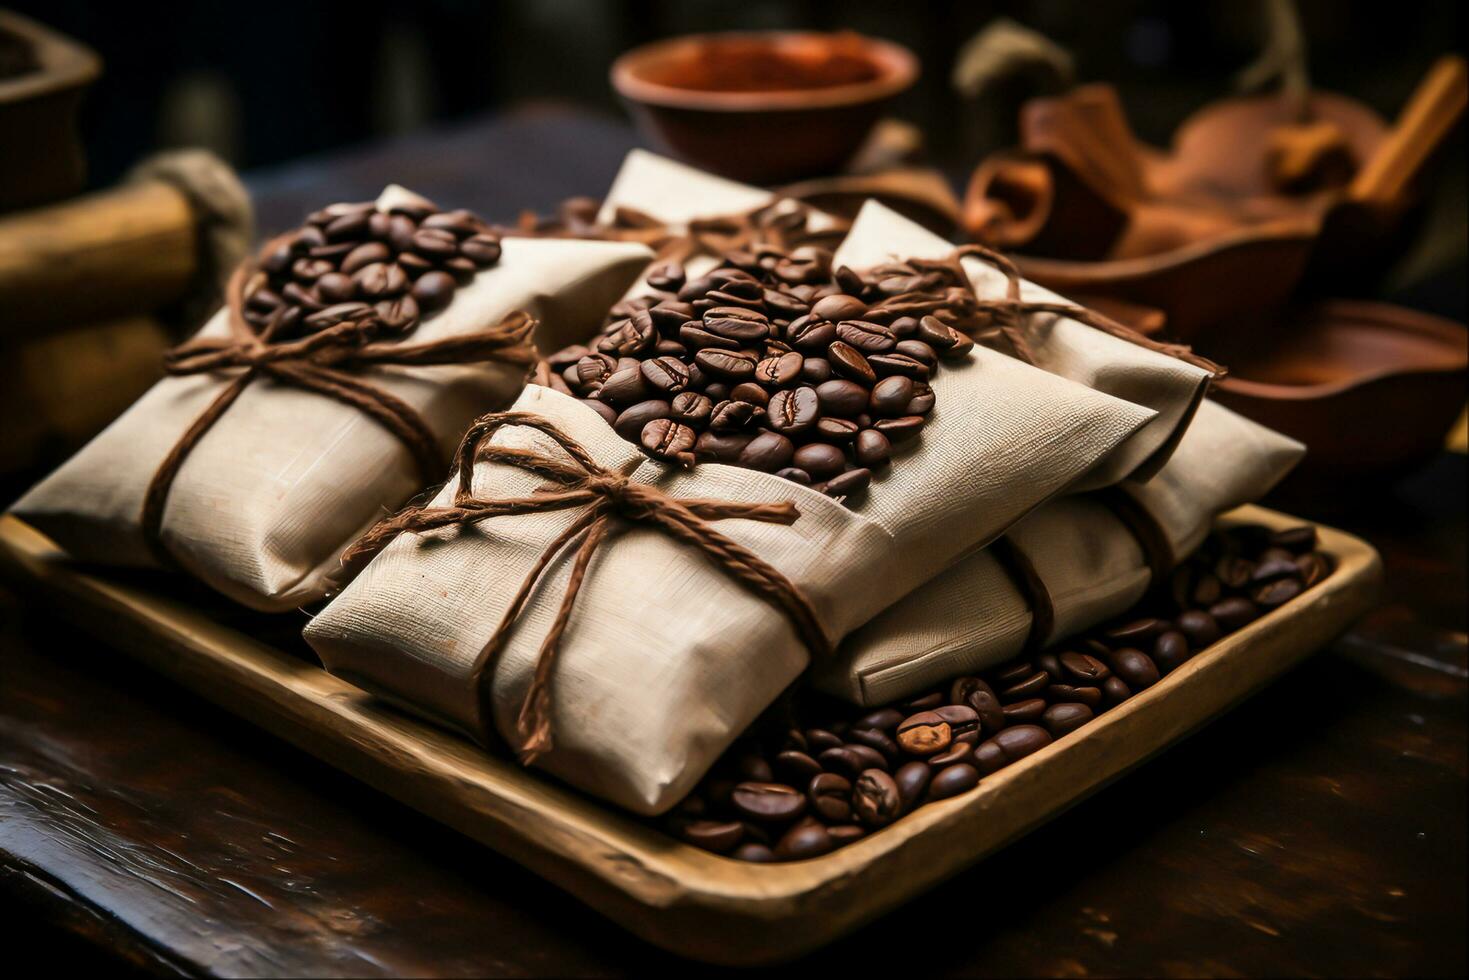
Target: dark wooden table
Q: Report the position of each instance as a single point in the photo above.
(1317, 829)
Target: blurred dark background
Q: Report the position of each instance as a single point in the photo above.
(270, 81)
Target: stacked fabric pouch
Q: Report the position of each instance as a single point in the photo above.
(264, 500)
(666, 656)
(1090, 557)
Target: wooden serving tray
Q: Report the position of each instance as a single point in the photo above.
(689, 901)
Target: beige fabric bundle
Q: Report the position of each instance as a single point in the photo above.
(677, 194)
(666, 659)
(974, 616)
(286, 478)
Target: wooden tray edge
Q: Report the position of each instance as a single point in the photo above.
(676, 896)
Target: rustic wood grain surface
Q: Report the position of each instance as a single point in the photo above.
(1318, 829)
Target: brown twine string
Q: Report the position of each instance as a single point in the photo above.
(1032, 590)
(1003, 315)
(1157, 549)
(320, 362)
(606, 495)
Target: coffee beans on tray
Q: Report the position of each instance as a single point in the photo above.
(822, 775)
(347, 259)
(775, 363)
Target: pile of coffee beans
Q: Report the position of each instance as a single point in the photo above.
(798, 787)
(347, 259)
(773, 362)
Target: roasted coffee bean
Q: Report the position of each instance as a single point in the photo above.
(842, 761)
(380, 280)
(899, 429)
(957, 752)
(348, 226)
(667, 277)
(811, 335)
(733, 365)
(691, 408)
(924, 702)
(1060, 693)
(872, 448)
(1170, 651)
(779, 369)
(1200, 628)
(835, 430)
(815, 370)
(829, 795)
(721, 447)
(793, 411)
(848, 362)
(890, 396)
(875, 798)
(794, 474)
(333, 315)
(1084, 668)
(431, 243)
(900, 365)
(336, 288)
(804, 841)
(754, 853)
(819, 459)
(953, 780)
(632, 420)
(626, 387)
(751, 767)
(668, 375)
(1138, 631)
(591, 371)
(935, 333)
(1062, 718)
(365, 255)
(925, 733)
(668, 440)
(1277, 593)
(841, 398)
(869, 338)
(918, 351)
(1011, 745)
(631, 337)
(603, 409)
(874, 739)
(307, 299)
(737, 323)
(1207, 589)
(1027, 688)
(433, 290)
(1234, 570)
(819, 740)
(912, 780)
(719, 836)
(1022, 711)
(482, 250)
(922, 401)
(881, 719)
(838, 306)
(1296, 539)
(1114, 691)
(1234, 613)
(733, 416)
(1012, 672)
(850, 483)
(768, 802)
(398, 313)
(867, 756)
(768, 451)
(987, 705)
(1312, 568)
(307, 271)
(1135, 668)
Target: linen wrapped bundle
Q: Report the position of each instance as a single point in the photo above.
(1170, 386)
(715, 589)
(261, 504)
(1091, 557)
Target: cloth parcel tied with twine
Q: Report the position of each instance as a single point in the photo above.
(667, 654)
(1170, 386)
(1074, 563)
(257, 461)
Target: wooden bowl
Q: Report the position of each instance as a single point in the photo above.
(1371, 389)
(41, 156)
(763, 107)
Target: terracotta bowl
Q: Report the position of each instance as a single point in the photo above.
(763, 107)
(1371, 389)
(40, 149)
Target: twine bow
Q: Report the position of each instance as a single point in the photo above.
(979, 316)
(322, 362)
(606, 495)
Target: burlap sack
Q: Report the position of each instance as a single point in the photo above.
(1172, 388)
(264, 504)
(1093, 567)
(666, 659)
